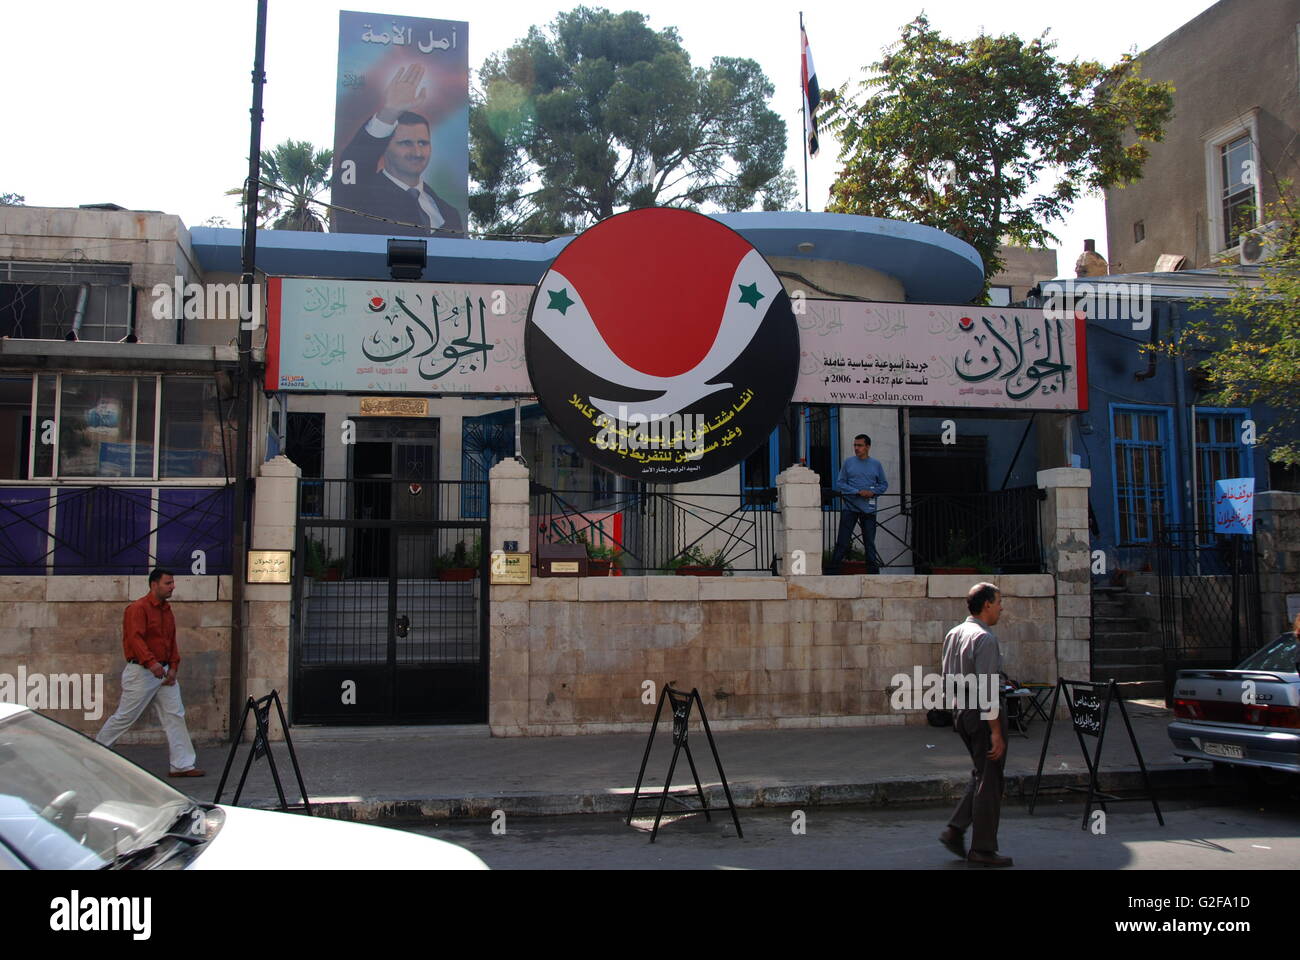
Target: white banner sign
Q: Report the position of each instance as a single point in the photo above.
(389, 336)
(927, 355)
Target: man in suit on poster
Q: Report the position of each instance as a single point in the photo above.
(395, 190)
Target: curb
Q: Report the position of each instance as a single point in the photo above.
(1168, 784)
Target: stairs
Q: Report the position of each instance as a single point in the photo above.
(1126, 641)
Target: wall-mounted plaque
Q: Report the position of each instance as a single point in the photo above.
(269, 566)
(394, 407)
(513, 569)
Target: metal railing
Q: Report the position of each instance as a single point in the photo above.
(111, 529)
(997, 531)
(656, 530)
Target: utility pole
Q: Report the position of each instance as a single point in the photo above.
(249, 311)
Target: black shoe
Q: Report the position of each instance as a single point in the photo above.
(954, 840)
(985, 858)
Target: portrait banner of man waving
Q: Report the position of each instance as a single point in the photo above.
(401, 126)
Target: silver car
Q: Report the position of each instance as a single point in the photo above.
(1247, 717)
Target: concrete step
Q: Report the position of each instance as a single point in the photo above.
(1126, 640)
(1141, 655)
(1127, 673)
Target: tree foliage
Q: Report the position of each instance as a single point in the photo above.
(600, 113)
(992, 139)
(293, 174)
(1249, 346)
(12, 200)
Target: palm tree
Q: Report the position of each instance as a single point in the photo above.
(292, 175)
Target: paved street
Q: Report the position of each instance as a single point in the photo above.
(1239, 836)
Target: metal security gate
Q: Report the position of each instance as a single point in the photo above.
(390, 601)
(1209, 599)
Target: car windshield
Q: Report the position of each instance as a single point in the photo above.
(1279, 656)
(67, 802)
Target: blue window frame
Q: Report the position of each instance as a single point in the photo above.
(820, 451)
(1141, 454)
(1220, 455)
(758, 474)
(822, 447)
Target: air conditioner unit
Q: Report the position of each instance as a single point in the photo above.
(1262, 243)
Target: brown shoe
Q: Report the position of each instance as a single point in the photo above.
(191, 772)
(985, 858)
(954, 840)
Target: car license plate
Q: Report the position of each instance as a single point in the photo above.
(1230, 750)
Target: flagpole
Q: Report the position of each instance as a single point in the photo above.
(803, 127)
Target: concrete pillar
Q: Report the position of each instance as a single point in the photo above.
(275, 519)
(1067, 554)
(508, 607)
(1277, 555)
(799, 498)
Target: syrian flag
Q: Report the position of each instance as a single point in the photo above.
(812, 94)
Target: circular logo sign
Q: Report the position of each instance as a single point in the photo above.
(662, 346)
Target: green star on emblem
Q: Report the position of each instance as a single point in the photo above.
(560, 300)
(749, 294)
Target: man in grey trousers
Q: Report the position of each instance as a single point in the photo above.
(972, 661)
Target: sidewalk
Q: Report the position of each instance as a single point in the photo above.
(372, 773)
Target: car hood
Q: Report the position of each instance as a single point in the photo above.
(265, 840)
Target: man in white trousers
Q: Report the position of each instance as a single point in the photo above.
(152, 663)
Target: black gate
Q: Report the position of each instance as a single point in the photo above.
(1209, 599)
(390, 602)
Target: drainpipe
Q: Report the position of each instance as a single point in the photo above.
(83, 294)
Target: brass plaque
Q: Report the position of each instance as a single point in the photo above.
(269, 566)
(565, 566)
(511, 569)
(394, 406)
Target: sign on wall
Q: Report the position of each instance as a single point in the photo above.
(1234, 505)
(387, 336)
(662, 345)
(401, 123)
(927, 355)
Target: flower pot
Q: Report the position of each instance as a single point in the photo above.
(853, 566)
(458, 573)
(701, 572)
(953, 570)
(599, 568)
(333, 573)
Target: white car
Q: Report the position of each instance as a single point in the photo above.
(68, 803)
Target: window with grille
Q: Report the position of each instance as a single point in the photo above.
(1141, 448)
(47, 300)
(1220, 455)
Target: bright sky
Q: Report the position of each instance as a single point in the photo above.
(150, 99)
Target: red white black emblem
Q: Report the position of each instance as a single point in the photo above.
(662, 345)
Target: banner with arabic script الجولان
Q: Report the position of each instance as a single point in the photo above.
(392, 337)
(935, 355)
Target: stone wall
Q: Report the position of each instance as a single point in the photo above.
(64, 625)
(572, 655)
(1277, 552)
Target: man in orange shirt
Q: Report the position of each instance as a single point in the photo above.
(152, 662)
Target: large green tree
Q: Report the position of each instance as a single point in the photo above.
(991, 139)
(1249, 347)
(599, 113)
(293, 175)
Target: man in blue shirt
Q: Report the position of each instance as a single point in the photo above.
(860, 483)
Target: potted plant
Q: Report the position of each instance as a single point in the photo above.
(320, 563)
(460, 563)
(694, 562)
(855, 561)
(958, 558)
(601, 560)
